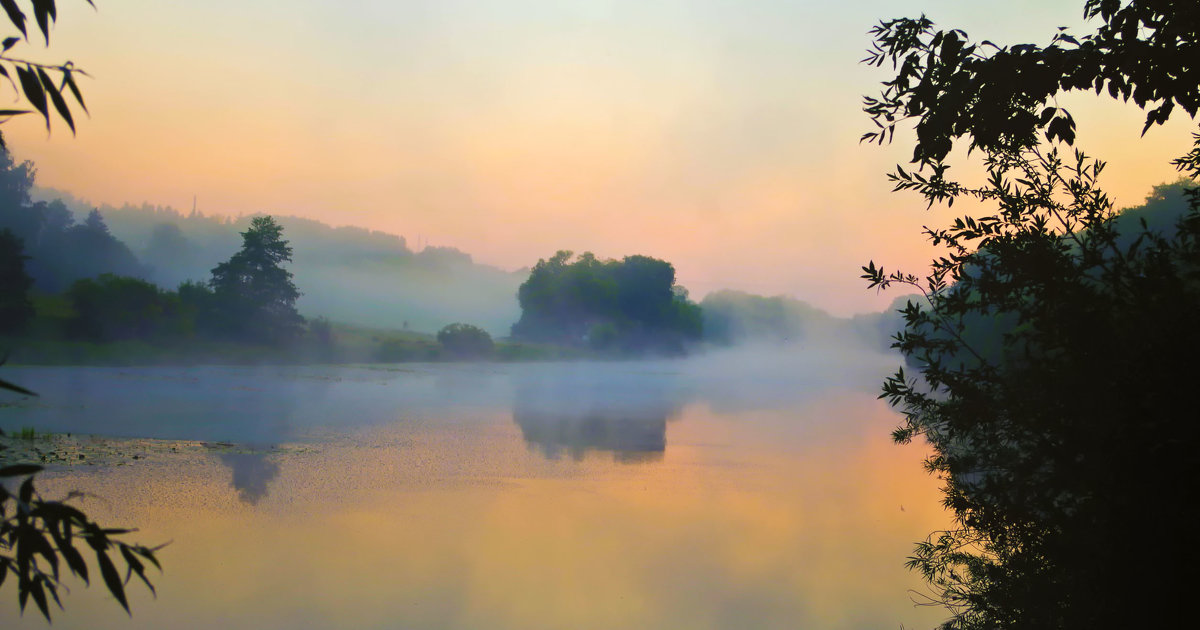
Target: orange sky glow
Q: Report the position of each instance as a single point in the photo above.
(717, 135)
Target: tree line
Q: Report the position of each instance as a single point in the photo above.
(354, 275)
(249, 298)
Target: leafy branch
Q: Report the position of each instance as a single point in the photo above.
(1054, 346)
(43, 86)
(1003, 98)
(39, 538)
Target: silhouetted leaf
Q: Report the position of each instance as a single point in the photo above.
(10, 42)
(73, 558)
(22, 586)
(3, 383)
(32, 87)
(4, 73)
(37, 541)
(57, 99)
(15, 15)
(148, 554)
(112, 579)
(69, 81)
(19, 470)
(135, 567)
(39, 596)
(44, 12)
(26, 493)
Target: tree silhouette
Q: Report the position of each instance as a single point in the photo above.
(1001, 97)
(15, 308)
(465, 341)
(631, 305)
(1054, 352)
(37, 533)
(111, 307)
(254, 293)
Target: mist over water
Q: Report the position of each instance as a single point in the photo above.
(270, 404)
(754, 487)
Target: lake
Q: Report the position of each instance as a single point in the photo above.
(734, 490)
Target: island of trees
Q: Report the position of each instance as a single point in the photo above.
(630, 306)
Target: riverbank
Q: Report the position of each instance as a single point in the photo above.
(345, 344)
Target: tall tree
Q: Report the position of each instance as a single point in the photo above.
(255, 294)
(1055, 353)
(15, 308)
(16, 180)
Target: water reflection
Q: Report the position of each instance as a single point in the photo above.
(562, 407)
(747, 522)
(427, 497)
(251, 474)
(625, 414)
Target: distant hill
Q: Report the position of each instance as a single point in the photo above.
(349, 274)
(1164, 207)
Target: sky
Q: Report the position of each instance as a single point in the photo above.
(720, 135)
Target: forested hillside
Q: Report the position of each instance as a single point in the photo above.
(347, 274)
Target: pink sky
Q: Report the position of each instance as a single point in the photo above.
(717, 135)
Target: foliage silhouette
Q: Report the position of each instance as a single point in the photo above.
(1001, 97)
(352, 275)
(61, 251)
(43, 86)
(1055, 340)
(630, 305)
(15, 308)
(465, 341)
(36, 533)
(112, 307)
(255, 295)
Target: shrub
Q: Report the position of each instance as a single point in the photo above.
(465, 341)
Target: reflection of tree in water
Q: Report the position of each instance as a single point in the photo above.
(251, 474)
(628, 420)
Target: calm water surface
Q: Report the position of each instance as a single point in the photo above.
(732, 491)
